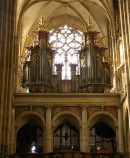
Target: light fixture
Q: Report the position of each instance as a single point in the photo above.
(33, 149)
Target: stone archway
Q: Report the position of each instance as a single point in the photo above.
(66, 132)
(102, 138)
(29, 132)
(64, 115)
(98, 122)
(28, 136)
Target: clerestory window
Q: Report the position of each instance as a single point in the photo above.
(66, 42)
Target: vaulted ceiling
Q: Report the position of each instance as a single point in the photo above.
(57, 13)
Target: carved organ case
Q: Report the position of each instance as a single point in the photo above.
(37, 72)
(95, 75)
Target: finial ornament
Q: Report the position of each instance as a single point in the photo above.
(42, 26)
(89, 26)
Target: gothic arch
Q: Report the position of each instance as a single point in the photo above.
(66, 140)
(103, 116)
(66, 116)
(27, 116)
(24, 118)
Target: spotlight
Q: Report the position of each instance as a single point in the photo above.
(33, 149)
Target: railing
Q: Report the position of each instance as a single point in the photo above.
(68, 155)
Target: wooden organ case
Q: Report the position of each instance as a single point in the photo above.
(94, 70)
(37, 72)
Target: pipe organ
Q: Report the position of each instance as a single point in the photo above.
(94, 74)
(37, 72)
(95, 71)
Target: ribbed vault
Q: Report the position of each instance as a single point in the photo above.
(75, 13)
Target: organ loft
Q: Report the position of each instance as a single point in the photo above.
(93, 67)
(64, 78)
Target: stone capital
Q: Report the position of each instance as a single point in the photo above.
(49, 106)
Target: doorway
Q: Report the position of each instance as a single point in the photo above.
(102, 138)
(30, 138)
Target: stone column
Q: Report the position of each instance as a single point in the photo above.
(12, 134)
(84, 132)
(120, 131)
(113, 69)
(125, 24)
(126, 27)
(48, 131)
(117, 139)
(124, 34)
(7, 53)
(128, 17)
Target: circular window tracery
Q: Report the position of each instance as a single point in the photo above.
(66, 42)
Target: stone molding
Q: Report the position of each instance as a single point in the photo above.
(68, 99)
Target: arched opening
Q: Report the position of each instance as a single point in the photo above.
(30, 138)
(102, 138)
(66, 138)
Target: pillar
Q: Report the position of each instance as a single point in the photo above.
(124, 34)
(120, 131)
(84, 132)
(7, 53)
(128, 18)
(48, 131)
(124, 8)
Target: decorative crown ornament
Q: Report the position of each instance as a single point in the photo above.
(89, 26)
(42, 26)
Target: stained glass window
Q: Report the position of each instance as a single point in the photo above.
(66, 42)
